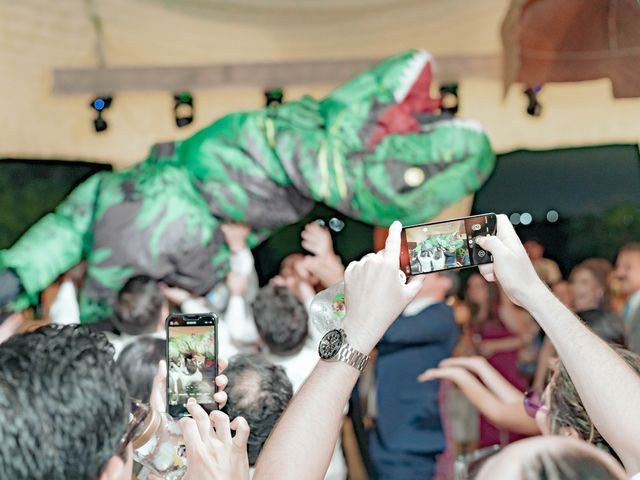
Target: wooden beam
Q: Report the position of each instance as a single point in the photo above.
(72, 81)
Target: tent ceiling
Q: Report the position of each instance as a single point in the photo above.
(39, 36)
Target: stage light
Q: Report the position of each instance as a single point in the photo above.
(526, 218)
(450, 99)
(99, 123)
(552, 216)
(514, 218)
(274, 96)
(183, 109)
(100, 104)
(534, 107)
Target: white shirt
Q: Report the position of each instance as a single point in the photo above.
(65, 309)
(418, 305)
(120, 342)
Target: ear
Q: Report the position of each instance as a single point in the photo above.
(118, 469)
(571, 432)
(113, 469)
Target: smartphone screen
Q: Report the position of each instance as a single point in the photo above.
(434, 247)
(192, 361)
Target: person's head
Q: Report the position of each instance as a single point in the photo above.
(534, 249)
(628, 268)
(258, 391)
(590, 284)
(281, 320)
(138, 362)
(567, 415)
(64, 407)
(437, 286)
(288, 264)
(482, 296)
(563, 291)
(551, 458)
(292, 267)
(140, 307)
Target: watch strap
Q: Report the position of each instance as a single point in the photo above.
(353, 357)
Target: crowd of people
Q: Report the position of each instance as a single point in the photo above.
(520, 374)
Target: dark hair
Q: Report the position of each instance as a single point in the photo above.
(566, 465)
(259, 391)
(454, 278)
(63, 404)
(281, 320)
(139, 306)
(606, 324)
(566, 408)
(138, 362)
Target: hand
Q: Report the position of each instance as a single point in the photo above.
(487, 348)
(11, 325)
(211, 451)
(158, 397)
(317, 240)
(453, 374)
(237, 283)
(175, 295)
(511, 265)
(300, 289)
(328, 269)
(376, 293)
(235, 234)
(474, 364)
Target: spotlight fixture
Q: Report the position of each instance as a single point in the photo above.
(274, 96)
(183, 109)
(534, 108)
(450, 99)
(100, 104)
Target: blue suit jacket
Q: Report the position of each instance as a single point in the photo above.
(408, 413)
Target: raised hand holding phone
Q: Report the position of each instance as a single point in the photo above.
(192, 361)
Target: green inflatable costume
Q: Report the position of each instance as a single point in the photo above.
(376, 149)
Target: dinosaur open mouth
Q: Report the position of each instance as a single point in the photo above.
(412, 96)
(412, 72)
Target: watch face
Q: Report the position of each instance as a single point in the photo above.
(330, 344)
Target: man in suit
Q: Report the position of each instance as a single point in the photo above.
(409, 433)
(628, 274)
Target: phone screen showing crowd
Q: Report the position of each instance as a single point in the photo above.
(447, 245)
(192, 363)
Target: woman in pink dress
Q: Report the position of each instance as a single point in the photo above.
(501, 331)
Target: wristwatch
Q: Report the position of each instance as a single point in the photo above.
(334, 347)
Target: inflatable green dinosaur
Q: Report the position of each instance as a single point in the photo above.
(376, 149)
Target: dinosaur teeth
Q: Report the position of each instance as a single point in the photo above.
(410, 74)
(463, 123)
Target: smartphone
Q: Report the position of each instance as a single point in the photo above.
(192, 361)
(434, 247)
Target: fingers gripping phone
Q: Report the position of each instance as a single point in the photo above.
(434, 247)
(192, 361)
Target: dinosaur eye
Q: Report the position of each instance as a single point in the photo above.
(414, 177)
